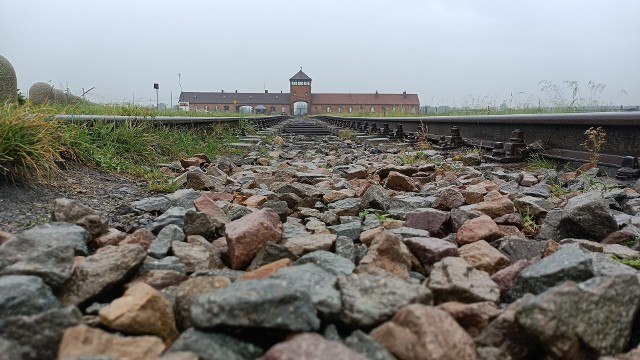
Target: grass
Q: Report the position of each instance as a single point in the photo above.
(31, 140)
(129, 110)
(413, 158)
(538, 162)
(347, 135)
(633, 263)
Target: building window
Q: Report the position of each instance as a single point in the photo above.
(413, 110)
(328, 109)
(350, 109)
(393, 109)
(294, 94)
(282, 109)
(373, 109)
(226, 108)
(217, 108)
(339, 109)
(273, 109)
(206, 108)
(305, 94)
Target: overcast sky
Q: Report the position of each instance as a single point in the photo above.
(449, 52)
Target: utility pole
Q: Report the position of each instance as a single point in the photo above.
(171, 101)
(156, 86)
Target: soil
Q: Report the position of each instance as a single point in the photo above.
(23, 205)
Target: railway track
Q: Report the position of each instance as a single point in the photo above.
(508, 137)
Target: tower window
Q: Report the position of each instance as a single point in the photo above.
(373, 109)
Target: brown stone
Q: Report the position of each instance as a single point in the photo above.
(247, 235)
(448, 199)
(207, 204)
(552, 247)
(474, 318)
(431, 220)
(160, 279)
(483, 256)
(311, 346)
(480, 228)
(474, 194)
(419, 332)
(4, 236)
(267, 270)
(72, 211)
(496, 207)
(196, 257)
(391, 224)
(388, 254)
(513, 219)
(512, 231)
(179, 355)
(100, 272)
(111, 237)
(301, 245)
(189, 290)
(400, 182)
(506, 277)
(201, 181)
(142, 237)
(142, 310)
(333, 196)
(83, 341)
(367, 236)
(217, 196)
(430, 250)
(255, 201)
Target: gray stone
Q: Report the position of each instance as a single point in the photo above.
(365, 345)
(571, 262)
(25, 295)
(266, 304)
(170, 263)
(315, 281)
(44, 251)
(100, 272)
(350, 230)
(407, 232)
(370, 222)
(214, 346)
(453, 279)
(459, 216)
(533, 206)
(161, 245)
(235, 211)
(399, 206)
(310, 178)
(586, 217)
(154, 205)
(549, 229)
(293, 228)
(516, 248)
(37, 336)
(328, 261)
(280, 207)
(368, 300)
(430, 250)
(183, 198)
(432, 220)
(174, 215)
(592, 319)
(376, 197)
(232, 275)
(351, 171)
(540, 190)
(346, 248)
(203, 224)
(345, 207)
(269, 253)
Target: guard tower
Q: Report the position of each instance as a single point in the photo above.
(300, 92)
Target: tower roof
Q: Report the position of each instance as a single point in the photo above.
(300, 76)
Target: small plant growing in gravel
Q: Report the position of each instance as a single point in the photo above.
(595, 138)
(413, 158)
(347, 135)
(633, 263)
(530, 227)
(383, 217)
(538, 162)
(422, 138)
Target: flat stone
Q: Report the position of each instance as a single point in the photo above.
(376, 197)
(310, 346)
(266, 304)
(430, 250)
(170, 263)
(533, 206)
(497, 207)
(346, 207)
(407, 232)
(142, 237)
(349, 230)
(183, 198)
(82, 341)
(448, 199)
(269, 253)
(247, 235)
(506, 277)
(266, 271)
(306, 244)
(399, 182)
(161, 279)
(596, 316)
(346, 248)
(196, 256)
(154, 205)
(517, 249)
(453, 279)
(350, 172)
(214, 346)
(586, 216)
(101, 272)
(425, 332)
(368, 300)
(328, 261)
(142, 310)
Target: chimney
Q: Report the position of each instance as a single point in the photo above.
(266, 91)
(404, 94)
(376, 93)
(237, 91)
(222, 91)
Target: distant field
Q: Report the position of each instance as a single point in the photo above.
(128, 110)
